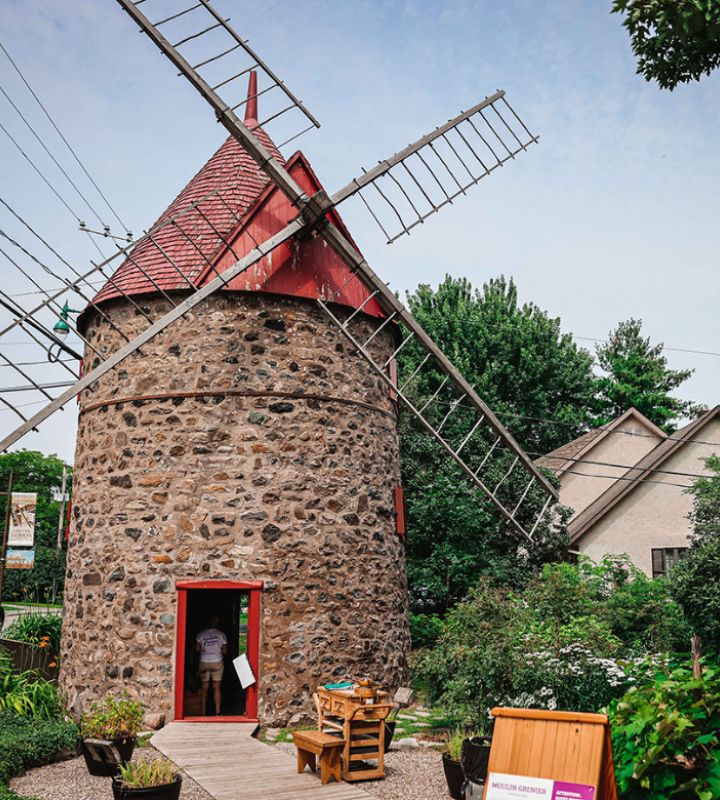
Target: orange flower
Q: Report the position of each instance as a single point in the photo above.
(53, 664)
(42, 644)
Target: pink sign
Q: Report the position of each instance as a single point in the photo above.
(572, 791)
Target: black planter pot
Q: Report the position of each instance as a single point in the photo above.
(124, 746)
(475, 756)
(168, 791)
(389, 733)
(454, 776)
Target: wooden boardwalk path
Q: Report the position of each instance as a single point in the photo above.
(230, 764)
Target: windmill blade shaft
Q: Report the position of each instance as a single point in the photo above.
(440, 166)
(223, 111)
(385, 166)
(172, 316)
(394, 308)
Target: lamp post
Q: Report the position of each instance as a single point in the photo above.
(61, 329)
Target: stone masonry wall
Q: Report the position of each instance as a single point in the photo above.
(292, 490)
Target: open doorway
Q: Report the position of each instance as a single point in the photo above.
(235, 606)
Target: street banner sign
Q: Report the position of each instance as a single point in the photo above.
(22, 519)
(20, 559)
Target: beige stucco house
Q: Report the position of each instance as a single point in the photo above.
(626, 483)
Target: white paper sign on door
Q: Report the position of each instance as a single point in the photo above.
(518, 787)
(244, 671)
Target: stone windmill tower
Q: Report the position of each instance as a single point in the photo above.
(247, 458)
(237, 447)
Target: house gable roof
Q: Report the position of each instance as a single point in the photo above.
(565, 457)
(622, 487)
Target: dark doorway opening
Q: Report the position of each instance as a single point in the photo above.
(231, 607)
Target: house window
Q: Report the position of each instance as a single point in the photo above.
(664, 559)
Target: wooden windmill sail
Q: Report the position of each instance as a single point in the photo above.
(401, 192)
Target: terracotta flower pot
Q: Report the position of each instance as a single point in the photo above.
(454, 776)
(124, 746)
(167, 791)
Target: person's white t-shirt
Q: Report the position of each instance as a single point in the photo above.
(211, 644)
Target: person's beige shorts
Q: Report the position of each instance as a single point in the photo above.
(211, 669)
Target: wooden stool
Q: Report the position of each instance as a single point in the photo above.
(313, 743)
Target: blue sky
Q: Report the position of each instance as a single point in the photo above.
(613, 214)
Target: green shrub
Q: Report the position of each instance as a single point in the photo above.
(35, 627)
(25, 740)
(666, 736)
(695, 584)
(113, 719)
(7, 794)
(570, 640)
(425, 629)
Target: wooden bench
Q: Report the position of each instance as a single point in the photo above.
(313, 743)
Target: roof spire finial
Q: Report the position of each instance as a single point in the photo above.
(251, 109)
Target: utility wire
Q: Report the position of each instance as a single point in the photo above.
(632, 480)
(60, 134)
(584, 338)
(54, 160)
(32, 164)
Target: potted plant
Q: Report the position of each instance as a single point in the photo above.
(113, 720)
(453, 766)
(475, 754)
(390, 723)
(148, 780)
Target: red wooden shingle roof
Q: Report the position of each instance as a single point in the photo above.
(236, 206)
(191, 242)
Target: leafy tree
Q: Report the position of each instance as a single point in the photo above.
(527, 372)
(637, 375)
(675, 41)
(696, 580)
(35, 472)
(705, 515)
(519, 362)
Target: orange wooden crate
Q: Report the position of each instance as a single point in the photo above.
(558, 745)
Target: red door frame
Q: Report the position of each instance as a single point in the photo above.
(253, 646)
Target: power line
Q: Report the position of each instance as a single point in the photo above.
(54, 289)
(60, 134)
(36, 363)
(32, 164)
(632, 480)
(567, 424)
(54, 160)
(584, 338)
(564, 459)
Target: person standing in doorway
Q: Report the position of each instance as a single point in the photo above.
(211, 643)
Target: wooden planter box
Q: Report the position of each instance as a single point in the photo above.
(28, 656)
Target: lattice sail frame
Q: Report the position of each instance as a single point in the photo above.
(480, 446)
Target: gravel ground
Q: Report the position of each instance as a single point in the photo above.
(411, 772)
(415, 773)
(69, 780)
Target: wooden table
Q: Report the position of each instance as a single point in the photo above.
(362, 726)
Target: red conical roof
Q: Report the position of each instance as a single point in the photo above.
(239, 207)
